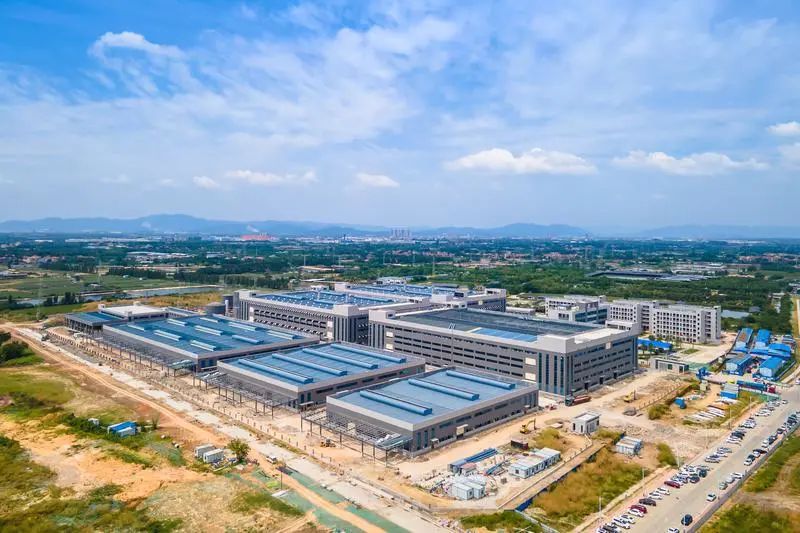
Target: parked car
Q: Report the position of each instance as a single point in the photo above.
(722, 485)
(710, 497)
(647, 501)
(686, 520)
(672, 484)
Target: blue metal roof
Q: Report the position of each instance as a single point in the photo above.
(432, 394)
(204, 334)
(325, 299)
(497, 324)
(763, 336)
(773, 363)
(408, 290)
(318, 363)
(94, 317)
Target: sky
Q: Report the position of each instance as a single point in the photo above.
(403, 113)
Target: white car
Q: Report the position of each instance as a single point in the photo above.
(673, 530)
(636, 512)
(663, 490)
(711, 497)
(656, 496)
(737, 475)
(620, 523)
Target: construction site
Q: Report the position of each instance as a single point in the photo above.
(387, 464)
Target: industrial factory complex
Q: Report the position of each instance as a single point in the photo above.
(560, 357)
(436, 295)
(420, 412)
(306, 376)
(330, 315)
(201, 340)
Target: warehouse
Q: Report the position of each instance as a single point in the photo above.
(437, 295)
(92, 322)
(771, 368)
(331, 315)
(200, 340)
(419, 413)
(306, 376)
(560, 357)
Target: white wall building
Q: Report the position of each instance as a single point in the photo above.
(689, 323)
(577, 308)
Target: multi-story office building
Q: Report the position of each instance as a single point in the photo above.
(437, 295)
(577, 308)
(333, 316)
(689, 323)
(560, 357)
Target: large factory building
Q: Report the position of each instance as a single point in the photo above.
(563, 358)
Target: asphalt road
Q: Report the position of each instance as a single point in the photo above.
(691, 498)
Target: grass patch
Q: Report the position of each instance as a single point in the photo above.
(550, 438)
(507, 520)
(22, 479)
(690, 351)
(129, 456)
(767, 475)
(657, 411)
(575, 497)
(164, 449)
(26, 360)
(743, 517)
(29, 314)
(249, 501)
(666, 457)
(609, 435)
(44, 390)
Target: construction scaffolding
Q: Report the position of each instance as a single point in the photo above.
(355, 434)
(236, 391)
(142, 354)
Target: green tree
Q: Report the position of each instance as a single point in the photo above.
(240, 449)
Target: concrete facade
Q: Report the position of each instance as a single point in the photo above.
(437, 296)
(436, 407)
(338, 317)
(689, 323)
(560, 357)
(577, 308)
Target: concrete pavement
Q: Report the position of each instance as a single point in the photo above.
(691, 498)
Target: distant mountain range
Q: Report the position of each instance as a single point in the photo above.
(185, 224)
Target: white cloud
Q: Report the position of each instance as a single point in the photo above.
(204, 182)
(167, 182)
(786, 129)
(268, 179)
(247, 12)
(133, 41)
(379, 181)
(535, 161)
(790, 154)
(704, 164)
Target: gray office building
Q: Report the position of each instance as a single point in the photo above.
(332, 315)
(437, 295)
(563, 358)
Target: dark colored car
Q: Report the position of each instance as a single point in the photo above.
(686, 520)
(694, 479)
(702, 473)
(670, 483)
(647, 501)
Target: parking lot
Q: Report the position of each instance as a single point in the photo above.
(700, 486)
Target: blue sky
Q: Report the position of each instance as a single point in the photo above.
(597, 114)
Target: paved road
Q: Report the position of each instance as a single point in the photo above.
(691, 498)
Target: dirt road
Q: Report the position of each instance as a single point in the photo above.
(168, 416)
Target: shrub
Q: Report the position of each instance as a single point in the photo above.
(507, 520)
(665, 455)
